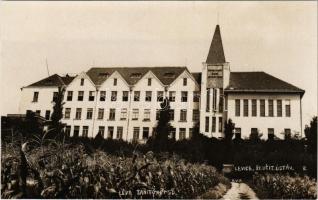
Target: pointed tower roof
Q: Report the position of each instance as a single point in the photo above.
(216, 53)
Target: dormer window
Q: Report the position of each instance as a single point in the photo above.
(104, 74)
(149, 81)
(115, 81)
(169, 75)
(135, 75)
(82, 81)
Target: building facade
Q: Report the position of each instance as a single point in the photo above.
(124, 102)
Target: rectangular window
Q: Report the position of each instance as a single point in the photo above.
(262, 108)
(100, 113)
(195, 115)
(213, 124)
(185, 80)
(287, 107)
(237, 107)
(35, 97)
(55, 94)
(149, 81)
(101, 130)
(69, 96)
(172, 96)
(171, 114)
(190, 132)
(207, 124)
(112, 114)
(136, 95)
(136, 133)
(148, 96)
(214, 98)
(82, 81)
(89, 114)
(123, 114)
(110, 133)
(120, 132)
(135, 114)
(125, 95)
(85, 131)
(221, 100)
(196, 96)
(91, 96)
(172, 133)
(38, 112)
(208, 96)
(184, 96)
(279, 108)
(146, 115)
(254, 107)
(145, 133)
(182, 133)
(47, 114)
(287, 133)
(67, 114)
(160, 96)
(68, 131)
(76, 131)
(157, 114)
(102, 96)
(270, 108)
(237, 132)
(80, 96)
(183, 115)
(78, 114)
(114, 96)
(115, 81)
(245, 104)
(270, 133)
(220, 124)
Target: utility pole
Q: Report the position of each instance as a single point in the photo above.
(47, 67)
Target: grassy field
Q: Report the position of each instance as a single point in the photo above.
(56, 170)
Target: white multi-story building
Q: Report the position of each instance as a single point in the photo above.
(123, 102)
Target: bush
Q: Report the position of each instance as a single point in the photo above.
(71, 171)
(278, 186)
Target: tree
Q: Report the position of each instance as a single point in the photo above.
(311, 135)
(56, 126)
(160, 142)
(229, 127)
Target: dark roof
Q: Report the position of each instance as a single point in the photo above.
(216, 52)
(259, 82)
(197, 76)
(133, 74)
(54, 80)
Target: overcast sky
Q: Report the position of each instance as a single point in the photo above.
(279, 38)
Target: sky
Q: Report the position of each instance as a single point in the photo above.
(279, 38)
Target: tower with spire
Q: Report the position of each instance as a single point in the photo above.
(215, 77)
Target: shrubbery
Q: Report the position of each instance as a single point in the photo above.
(56, 170)
(278, 186)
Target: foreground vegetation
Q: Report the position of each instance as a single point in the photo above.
(56, 170)
(279, 186)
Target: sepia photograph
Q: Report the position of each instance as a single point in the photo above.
(158, 99)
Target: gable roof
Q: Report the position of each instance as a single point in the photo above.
(53, 80)
(133, 74)
(259, 82)
(216, 52)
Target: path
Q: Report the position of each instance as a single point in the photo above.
(239, 191)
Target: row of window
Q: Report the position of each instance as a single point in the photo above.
(135, 114)
(279, 110)
(125, 94)
(119, 132)
(270, 132)
(212, 93)
(149, 81)
(213, 127)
